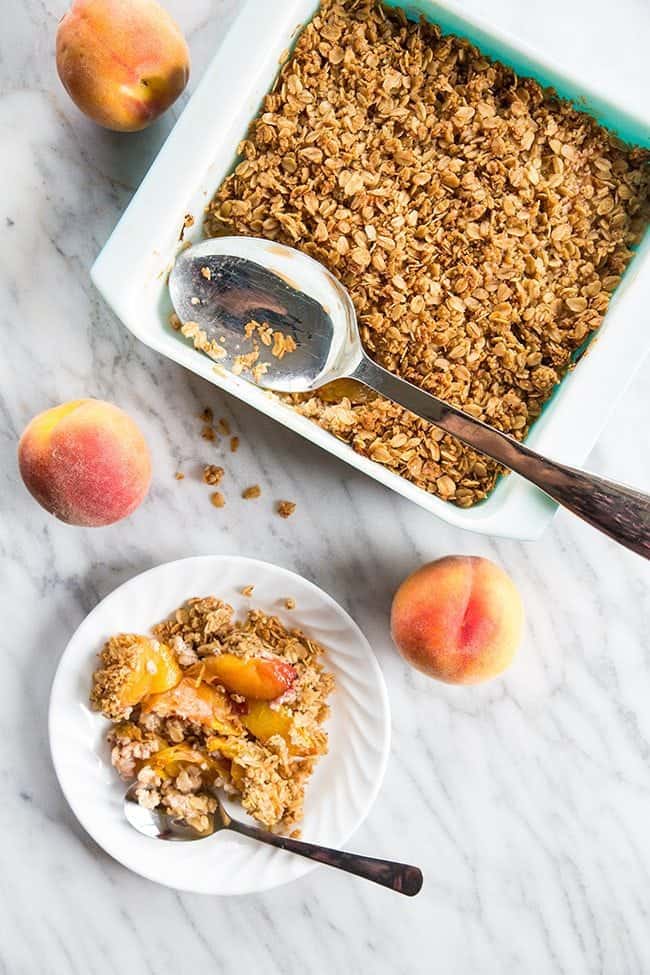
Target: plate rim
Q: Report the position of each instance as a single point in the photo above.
(372, 662)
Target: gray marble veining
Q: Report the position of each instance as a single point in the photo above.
(526, 801)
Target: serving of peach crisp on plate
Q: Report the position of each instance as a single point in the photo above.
(210, 702)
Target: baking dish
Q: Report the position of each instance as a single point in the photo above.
(131, 270)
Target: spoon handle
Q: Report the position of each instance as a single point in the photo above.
(615, 509)
(398, 876)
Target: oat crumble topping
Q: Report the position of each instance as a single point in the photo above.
(479, 222)
(118, 659)
(260, 751)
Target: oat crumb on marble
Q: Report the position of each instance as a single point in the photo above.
(286, 508)
(212, 474)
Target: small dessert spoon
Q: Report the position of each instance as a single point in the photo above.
(157, 824)
(224, 284)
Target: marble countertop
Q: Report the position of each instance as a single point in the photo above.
(526, 801)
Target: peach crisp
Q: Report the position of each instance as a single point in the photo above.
(209, 702)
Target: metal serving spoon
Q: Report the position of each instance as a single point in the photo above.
(224, 283)
(155, 823)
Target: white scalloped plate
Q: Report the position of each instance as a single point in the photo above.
(344, 785)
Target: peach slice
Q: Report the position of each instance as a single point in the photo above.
(155, 672)
(230, 748)
(170, 760)
(229, 751)
(263, 722)
(256, 677)
(206, 705)
(133, 667)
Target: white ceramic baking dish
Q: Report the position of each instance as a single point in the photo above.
(131, 270)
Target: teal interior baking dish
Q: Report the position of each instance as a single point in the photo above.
(526, 62)
(131, 270)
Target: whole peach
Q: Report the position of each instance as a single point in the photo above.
(458, 619)
(123, 62)
(85, 462)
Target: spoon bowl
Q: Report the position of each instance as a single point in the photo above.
(225, 283)
(156, 824)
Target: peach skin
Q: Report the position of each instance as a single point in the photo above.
(85, 462)
(123, 62)
(458, 619)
